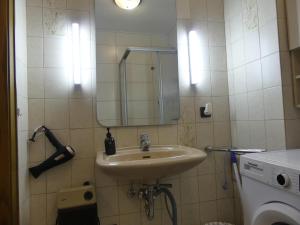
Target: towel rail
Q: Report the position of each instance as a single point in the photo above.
(236, 150)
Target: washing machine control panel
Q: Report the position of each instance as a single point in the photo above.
(287, 179)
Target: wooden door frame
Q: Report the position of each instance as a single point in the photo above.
(9, 199)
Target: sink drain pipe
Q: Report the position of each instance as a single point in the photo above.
(169, 196)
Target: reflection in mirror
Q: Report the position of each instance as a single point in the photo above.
(137, 75)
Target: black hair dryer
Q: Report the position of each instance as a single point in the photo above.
(62, 154)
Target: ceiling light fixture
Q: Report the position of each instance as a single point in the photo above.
(127, 4)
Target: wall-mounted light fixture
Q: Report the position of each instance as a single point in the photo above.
(127, 4)
(76, 63)
(195, 56)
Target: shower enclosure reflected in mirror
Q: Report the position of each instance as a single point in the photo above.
(137, 75)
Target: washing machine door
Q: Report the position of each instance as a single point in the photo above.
(276, 214)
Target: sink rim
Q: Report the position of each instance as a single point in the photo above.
(189, 154)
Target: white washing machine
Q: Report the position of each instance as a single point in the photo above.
(271, 190)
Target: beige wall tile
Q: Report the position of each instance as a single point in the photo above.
(275, 134)
(225, 210)
(256, 102)
(220, 108)
(219, 83)
(215, 10)
(129, 219)
(207, 188)
(82, 140)
(208, 211)
(35, 83)
(35, 3)
(167, 135)
(78, 5)
(207, 166)
(38, 185)
(102, 179)
(35, 52)
(38, 210)
(56, 113)
(269, 43)
(216, 32)
(183, 9)
(56, 83)
(273, 103)
(157, 220)
(126, 204)
(37, 150)
(110, 220)
(187, 135)
(204, 135)
(292, 133)
(222, 134)
(81, 113)
(36, 113)
(51, 208)
(198, 9)
(224, 189)
(58, 178)
(82, 171)
(189, 190)
(126, 137)
(187, 110)
(34, 21)
(107, 199)
(54, 3)
(190, 214)
(254, 75)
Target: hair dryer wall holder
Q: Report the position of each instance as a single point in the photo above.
(62, 154)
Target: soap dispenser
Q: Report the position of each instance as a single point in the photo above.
(110, 145)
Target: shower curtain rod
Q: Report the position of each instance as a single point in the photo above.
(144, 49)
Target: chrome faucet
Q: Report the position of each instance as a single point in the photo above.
(144, 142)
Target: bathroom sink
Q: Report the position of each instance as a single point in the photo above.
(158, 162)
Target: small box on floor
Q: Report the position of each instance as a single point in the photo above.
(77, 206)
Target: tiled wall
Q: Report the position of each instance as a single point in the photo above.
(259, 76)
(71, 114)
(254, 72)
(54, 101)
(22, 105)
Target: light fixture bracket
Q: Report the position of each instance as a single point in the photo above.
(127, 4)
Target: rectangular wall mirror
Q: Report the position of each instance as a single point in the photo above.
(137, 67)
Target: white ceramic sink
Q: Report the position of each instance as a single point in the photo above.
(158, 162)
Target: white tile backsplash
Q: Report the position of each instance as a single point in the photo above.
(273, 103)
(35, 51)
(254, 76)
(269, 42)
(271, 70)
(255, 73)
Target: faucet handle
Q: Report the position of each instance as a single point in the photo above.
(144, 142)
(144, 137)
